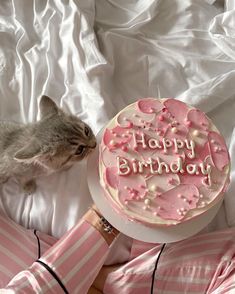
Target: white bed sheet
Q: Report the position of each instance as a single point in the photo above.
(95, 57)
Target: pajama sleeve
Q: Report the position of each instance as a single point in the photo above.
(69, 266)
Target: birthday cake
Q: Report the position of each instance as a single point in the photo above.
(162, 162)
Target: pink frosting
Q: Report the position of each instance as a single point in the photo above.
(202, 151)
(163, 160)
(220, 183)
(129, 185)
(111, 177)
(181, 132)
(195, 180)
(162, 125)
(163, 182)
(175, 203)
(177, 109)
(127, 119)
(198, 119)
(119, 140)
(128, 191)
(218, 150)
(149, 106)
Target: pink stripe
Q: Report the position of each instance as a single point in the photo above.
(73, 254)
(80, 252)
(12, 265)
(148, 258)
(133, 289)
(16, 284)
(44, 278)
(87, 268)
(203, 272)
(137, 243)
(114, 277)
(129, 283)
(69, 238)
(44, 246)
(219, 248)
(19, 233)
(71, 250)
(47, 239)
(27, 236)
(21, 282)
(230, 280)
(139, 248)
(14, 248)
(217, 235)
(127, 289)
(210, 243)
(181, 287)
(201, 259)
(194, 270)
(224, 277)
(10, 226)
(229, 284)
(35, 279)
(4, 278)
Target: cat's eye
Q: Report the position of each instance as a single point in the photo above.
(80, 150)
(87, 131)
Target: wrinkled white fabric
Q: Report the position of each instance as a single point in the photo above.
(95, 57)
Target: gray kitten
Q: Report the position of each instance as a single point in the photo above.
(43, 147)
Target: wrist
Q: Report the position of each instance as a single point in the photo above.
(95, 218)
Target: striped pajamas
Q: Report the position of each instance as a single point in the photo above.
(76, 259)
(201, 264)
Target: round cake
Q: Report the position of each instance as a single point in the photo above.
(162, 162)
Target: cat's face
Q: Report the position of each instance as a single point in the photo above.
(59, 139)
(66, 139)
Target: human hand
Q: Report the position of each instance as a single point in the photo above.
(93, 290)
(98, 285)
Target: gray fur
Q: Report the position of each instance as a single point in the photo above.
(51, 144)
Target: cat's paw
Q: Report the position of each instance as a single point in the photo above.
(29, 187)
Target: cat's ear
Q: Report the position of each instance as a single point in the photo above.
(29, 152)
(47, 106)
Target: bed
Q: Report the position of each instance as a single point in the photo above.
(95, 57)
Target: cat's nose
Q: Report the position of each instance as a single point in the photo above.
(93, 145)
